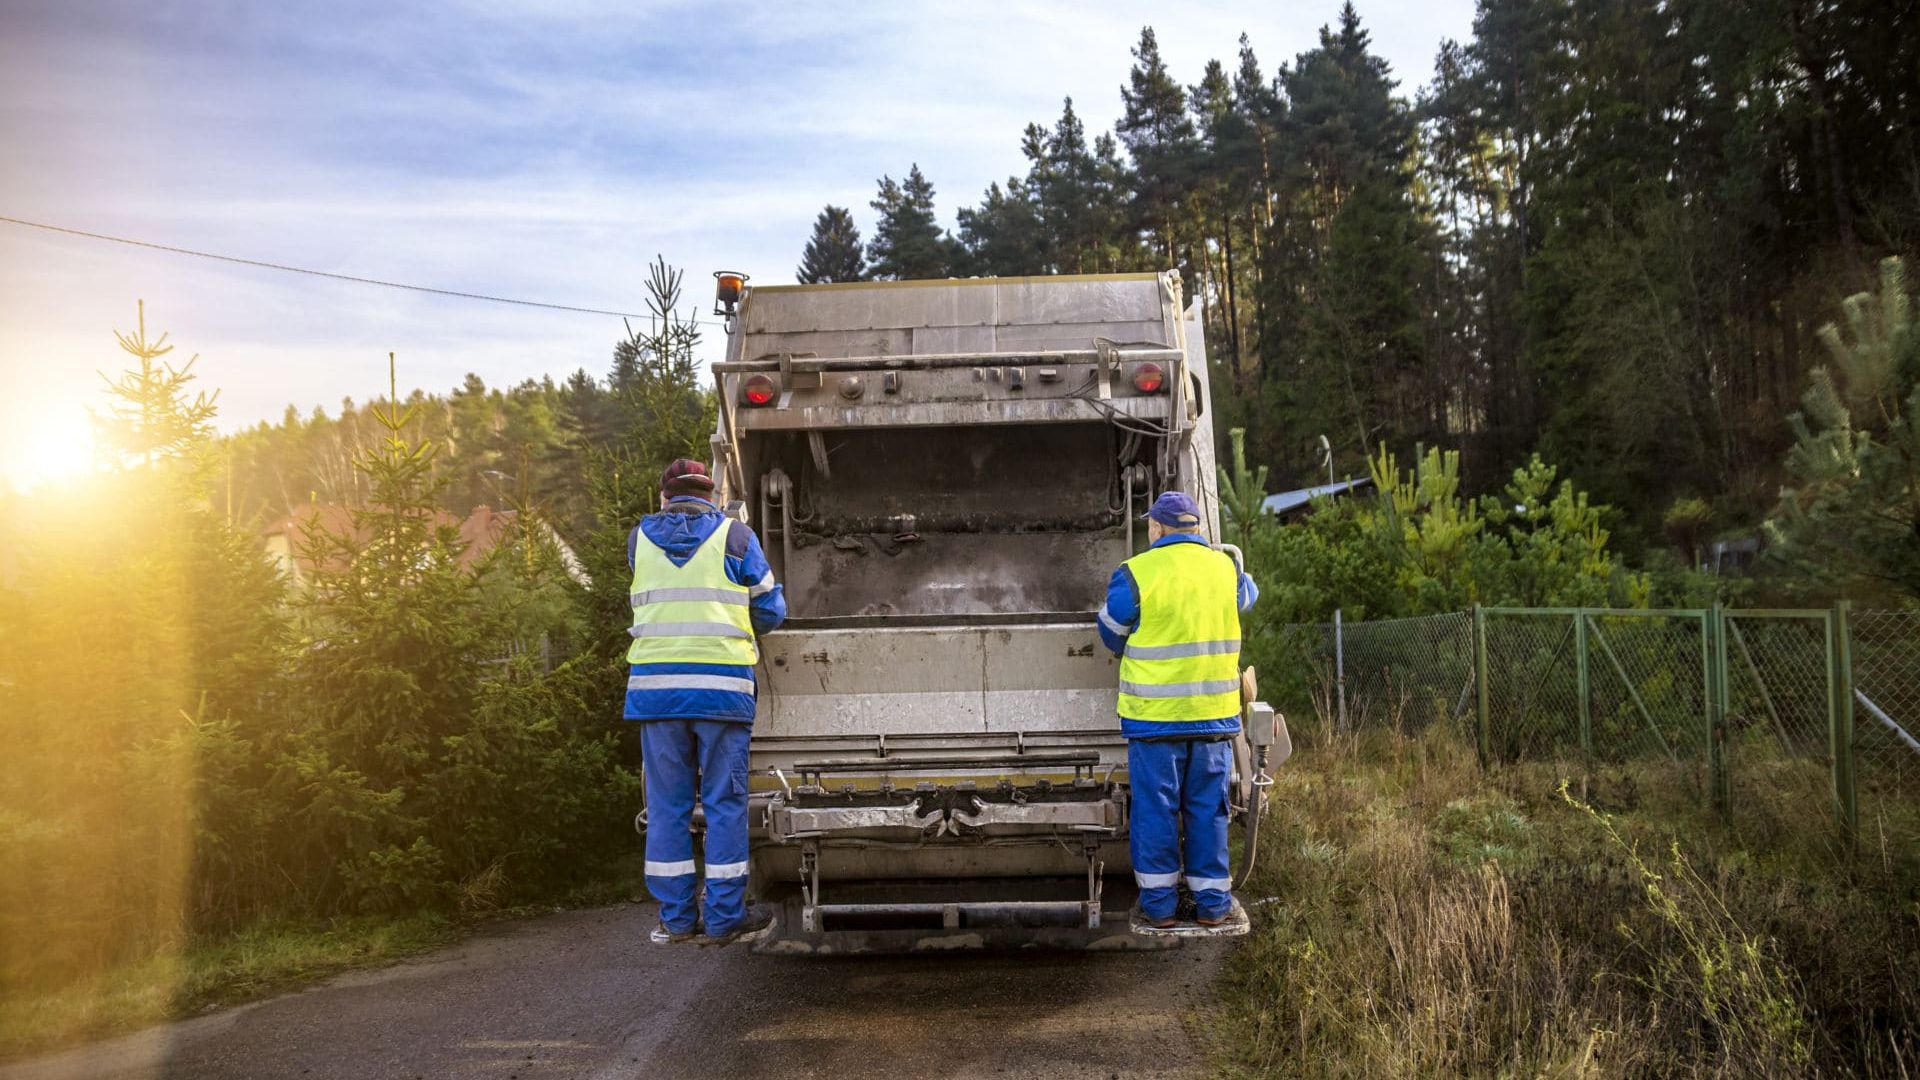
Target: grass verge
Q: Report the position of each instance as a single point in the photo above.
(254, 962)
(1429, 920)
(259, 960)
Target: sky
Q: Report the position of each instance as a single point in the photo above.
(537, 150)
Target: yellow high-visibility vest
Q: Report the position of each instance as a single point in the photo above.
(1183, 663)
(691, 614)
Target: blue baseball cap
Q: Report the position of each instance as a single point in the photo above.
(1175, 508)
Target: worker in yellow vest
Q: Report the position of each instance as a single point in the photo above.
(1172, 615)
(702, 590)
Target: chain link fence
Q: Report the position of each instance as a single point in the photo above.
(1885, 648)
(1820, 704)
(1781, 708)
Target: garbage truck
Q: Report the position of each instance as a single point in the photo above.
(944, 475)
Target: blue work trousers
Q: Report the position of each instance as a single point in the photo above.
(685, 760)
(1180, 789)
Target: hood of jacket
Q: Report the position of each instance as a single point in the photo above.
(679, 533)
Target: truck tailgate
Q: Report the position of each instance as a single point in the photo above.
(1045, 678)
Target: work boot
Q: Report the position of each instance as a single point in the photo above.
(663, 936)
(1141, 919)
(1224, 918)
(757, 919)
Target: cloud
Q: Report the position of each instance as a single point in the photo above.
(543, 149)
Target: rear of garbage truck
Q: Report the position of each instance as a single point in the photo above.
(943, 475)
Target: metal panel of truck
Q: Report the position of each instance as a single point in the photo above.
(937, 681)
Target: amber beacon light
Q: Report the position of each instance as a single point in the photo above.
(728, 287)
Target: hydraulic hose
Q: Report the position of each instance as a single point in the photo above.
(1256, 809)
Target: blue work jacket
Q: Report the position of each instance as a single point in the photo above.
(679, 530)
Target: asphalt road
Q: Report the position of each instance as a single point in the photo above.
(582, 994)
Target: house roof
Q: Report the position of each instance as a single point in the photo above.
(480, 532)
(1285, 502)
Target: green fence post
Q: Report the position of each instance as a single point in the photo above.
(1714, 628)
(1846, 797)
(1480, 682)
(1586, 684)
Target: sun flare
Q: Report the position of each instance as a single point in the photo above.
(45, 447)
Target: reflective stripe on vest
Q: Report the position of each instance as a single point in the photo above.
(1183, 663)
(661, 596)
(732, 684)
(690, 614)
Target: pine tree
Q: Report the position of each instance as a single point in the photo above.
(1850, 518)
(834, 253)
(1004, 237)
(1079, 193)
(1042, 180)
(1115, 248)
(421, 765)
(1218, 197)
(1160, 136)
(1243, 492)
(1342, 334)
(153, 418)
(1363, 327)
(907, 243)
(668, 410)
(1346, 124)
(402, 636)
(1261, 110)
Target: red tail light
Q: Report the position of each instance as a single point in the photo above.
(1149, 378)
(759, 390)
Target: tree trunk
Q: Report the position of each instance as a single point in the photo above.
(1827, 150)
(1233, 314)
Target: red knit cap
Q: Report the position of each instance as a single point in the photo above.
(686, 477)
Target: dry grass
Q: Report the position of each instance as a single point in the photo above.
(1429, 922)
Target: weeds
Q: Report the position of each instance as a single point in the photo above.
(1429, 921)
(1715, 968)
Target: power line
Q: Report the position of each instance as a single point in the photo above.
(337, 277)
